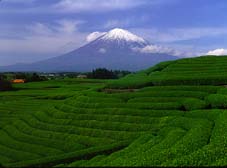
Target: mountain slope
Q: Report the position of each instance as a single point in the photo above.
(113, 50)
(204, 70)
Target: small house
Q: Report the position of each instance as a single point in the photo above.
(18, 81)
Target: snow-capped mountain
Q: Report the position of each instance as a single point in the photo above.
(119, 39)
(116, 49)
(122, 35)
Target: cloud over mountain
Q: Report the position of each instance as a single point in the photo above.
(94, 36)
(218, 52)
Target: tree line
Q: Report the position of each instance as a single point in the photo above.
(99, 73)
(5, 81)
(103, 73)
(29, 77)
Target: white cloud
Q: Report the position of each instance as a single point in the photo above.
(153, 49)
(93, 36)
(44, 39)
(180, 34)
(68, 26)
(76, 6)
(158, 49)
(39, 29)
(61, 27)
(97, 5)
(218, 52)
(102, 50)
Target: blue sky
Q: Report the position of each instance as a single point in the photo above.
(32, 30)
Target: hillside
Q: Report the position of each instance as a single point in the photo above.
(172, 115)
(204, 70)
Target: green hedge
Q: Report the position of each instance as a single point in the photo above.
(69, 157)
(193, 104)
(217, 101)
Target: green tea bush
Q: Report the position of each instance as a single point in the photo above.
(131, 81)
(4, 159)
(193, 104)
(214, 153)
(48, 143)
(159, 67)
(156, 106)
(208, 89)
(209, 114)
(19, 145)
(154, 99)
(69, 157)
(113, 125)
(140, 152)
(55, 97)
(167, 94)
(15, 154)
(61, 140)
(217, 101)
(84, 113)
(86, 99)
(92, 132)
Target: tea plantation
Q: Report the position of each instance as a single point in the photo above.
(173, 114)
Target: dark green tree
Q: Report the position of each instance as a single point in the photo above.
(3, 77)
(102, 73)
(35, 77)
(21, 76)
(5, 85)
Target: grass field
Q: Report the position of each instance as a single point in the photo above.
(173, 114)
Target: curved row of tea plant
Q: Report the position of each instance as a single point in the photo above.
(205, 70)
(90, 119)
(78, 123)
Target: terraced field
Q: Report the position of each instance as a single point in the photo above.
(206, 70)
(100, 123)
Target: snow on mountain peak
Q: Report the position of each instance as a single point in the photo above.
(121, 34)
